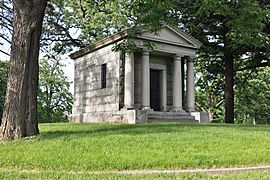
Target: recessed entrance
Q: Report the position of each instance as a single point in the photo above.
(155, 89)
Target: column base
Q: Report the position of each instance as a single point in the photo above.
(146, 108)
(177, 109)
(164, 109)
(128, 107)
(190, 110)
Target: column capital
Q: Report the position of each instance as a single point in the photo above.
(178, 57)
(191, 58)
(129, 55)
(145, 52)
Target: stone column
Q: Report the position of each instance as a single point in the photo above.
(177, 84)
(164, 90)
(145, 101)
(129, 81)
(190, 85)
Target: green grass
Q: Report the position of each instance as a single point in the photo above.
(260, 175)
(89, 147)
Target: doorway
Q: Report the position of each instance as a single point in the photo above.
(155, 89)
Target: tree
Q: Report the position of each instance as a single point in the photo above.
(54, 98)
(238, 31)
(20, 113)
(253, 96)
(210, 85)
(4, 65)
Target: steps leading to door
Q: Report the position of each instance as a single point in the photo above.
(155, 116)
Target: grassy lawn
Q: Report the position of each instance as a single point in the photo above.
(260, 175)
(89, 147)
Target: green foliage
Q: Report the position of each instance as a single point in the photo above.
(236, 29)
(54, 98)
(210, 85)
(4, 66)
(79, 147)
(79, 23)
(253, 97)
(241, 22)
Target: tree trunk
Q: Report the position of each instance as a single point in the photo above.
(49, 113)
(229, 93)
(20, 113)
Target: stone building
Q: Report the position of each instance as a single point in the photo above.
(143, 86)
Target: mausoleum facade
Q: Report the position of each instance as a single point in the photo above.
(141, 86)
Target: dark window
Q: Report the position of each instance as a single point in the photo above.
(103, 75)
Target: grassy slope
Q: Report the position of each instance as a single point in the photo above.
(82, 147)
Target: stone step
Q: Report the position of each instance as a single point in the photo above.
(157, 116)
(168, 113)
(171, 117)
(174, 120)
(176, 116)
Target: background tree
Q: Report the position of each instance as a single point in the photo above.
(238, 31)
(54, 98)
(210, 85)
(4, 65)
(253, 96)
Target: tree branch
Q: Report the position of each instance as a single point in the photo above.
(200, 106)
(3, 37)
(4, 52)
(219, 103)
(74, 41)
(263, 64)
(6, 19)
(82, 9)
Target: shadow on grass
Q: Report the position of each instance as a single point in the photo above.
(84, 130)
(94, 130)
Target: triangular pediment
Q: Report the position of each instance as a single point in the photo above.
(167, 35)
(172, 36)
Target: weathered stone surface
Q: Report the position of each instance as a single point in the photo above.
(91, 103)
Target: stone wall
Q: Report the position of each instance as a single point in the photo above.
(91, 102)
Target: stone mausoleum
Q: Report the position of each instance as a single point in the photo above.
(143, 86)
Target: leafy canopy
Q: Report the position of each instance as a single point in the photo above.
(54, 97)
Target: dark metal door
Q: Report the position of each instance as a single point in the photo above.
(155, 89)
